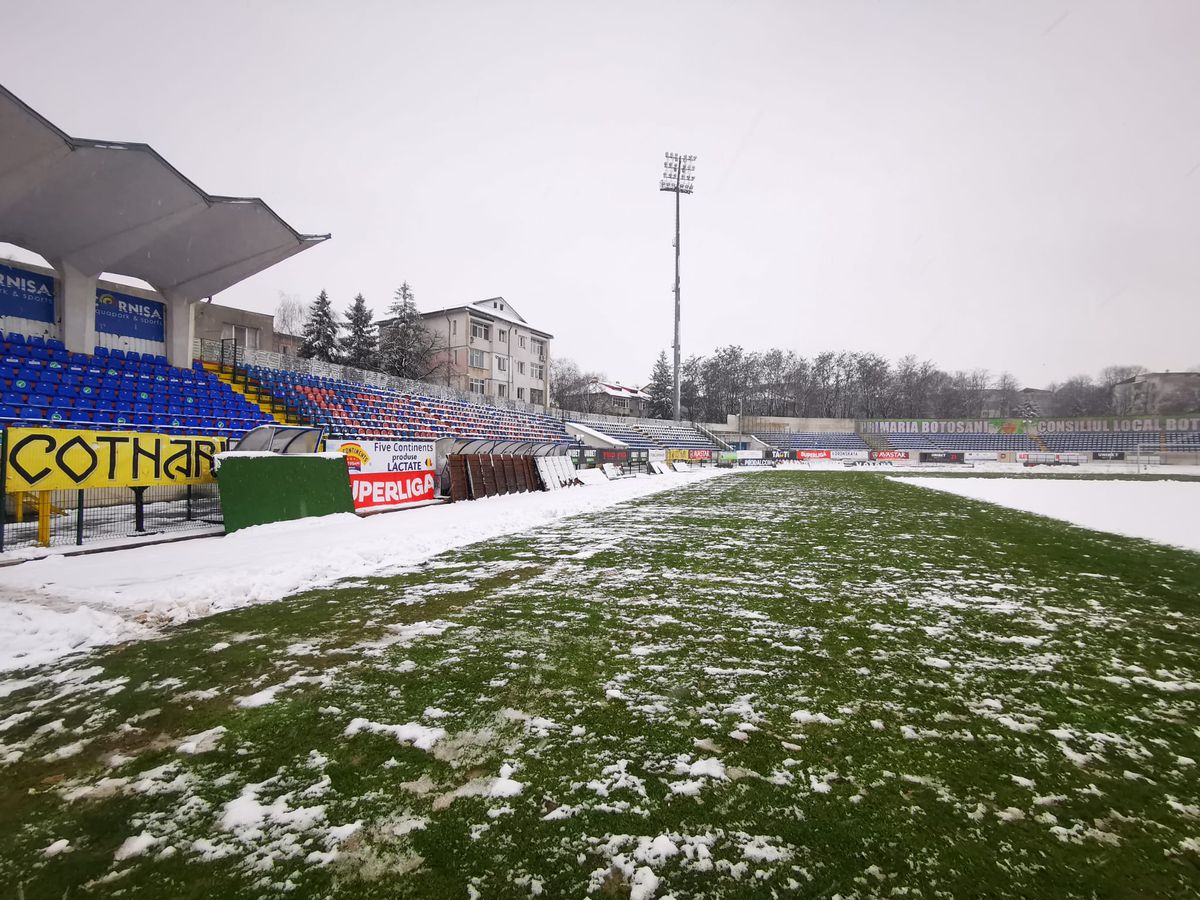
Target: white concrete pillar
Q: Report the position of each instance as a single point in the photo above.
(77, 299)
(180, 331)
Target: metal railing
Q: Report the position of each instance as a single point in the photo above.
(89, 516)
(53, 518)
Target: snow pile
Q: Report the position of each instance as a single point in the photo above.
(54, 606)
(1164, 511)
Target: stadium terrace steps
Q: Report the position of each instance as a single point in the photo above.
(654, 434)
(44, 384)
(876, 441)
(812, 440)
(354, 410)
(254, 393)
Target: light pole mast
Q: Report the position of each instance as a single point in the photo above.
(678, 179)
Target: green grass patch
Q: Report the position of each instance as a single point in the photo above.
(778, 683)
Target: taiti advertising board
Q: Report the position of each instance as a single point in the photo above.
(389, 473)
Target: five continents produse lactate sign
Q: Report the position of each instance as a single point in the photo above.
(389, 473)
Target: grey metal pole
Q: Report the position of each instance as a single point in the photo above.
(676, 386)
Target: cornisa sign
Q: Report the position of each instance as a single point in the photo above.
(126, 316)
(389, 473)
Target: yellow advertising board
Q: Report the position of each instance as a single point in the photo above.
(677, 456)
(55, 459)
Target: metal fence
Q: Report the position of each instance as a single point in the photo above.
(61, 518)
(78, 517)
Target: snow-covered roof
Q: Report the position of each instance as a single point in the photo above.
(492, 308)
(498, 306)
(613, 389)
(119, 207)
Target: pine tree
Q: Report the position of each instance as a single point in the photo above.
(359, 343)
(321, 331)
(407, 348)
(661, 389)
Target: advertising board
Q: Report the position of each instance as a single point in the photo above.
(54, 459)
(848, 454)
(889, 454)
(982, 455)
(389, 473)
(128, 316)
(942, 456)
(615, 457)
(699, 454)
(26, 295)
(1108, 455)
(812, 454)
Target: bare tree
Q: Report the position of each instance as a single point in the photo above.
(290, 315)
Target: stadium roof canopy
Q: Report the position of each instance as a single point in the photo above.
(109, 206)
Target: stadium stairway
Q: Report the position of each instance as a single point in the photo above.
(1037, 439)
(712, 437)
(876, 441)
(255, 393)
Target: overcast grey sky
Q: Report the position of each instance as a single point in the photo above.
(1000, 185)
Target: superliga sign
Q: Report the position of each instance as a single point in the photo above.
(389, 473)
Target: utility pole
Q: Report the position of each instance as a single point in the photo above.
(678, 179)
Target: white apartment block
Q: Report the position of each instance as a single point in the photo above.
(493, 351)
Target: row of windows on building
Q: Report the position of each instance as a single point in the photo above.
(477, 359)
(483, 331)
(536, 395)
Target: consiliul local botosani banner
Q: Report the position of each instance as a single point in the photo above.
(389, 473)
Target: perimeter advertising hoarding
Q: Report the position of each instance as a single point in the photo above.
(983, 455)
(55, 459)
(26, 295)
(1106, 425)
(889, 454)
(128, 316)
(389, 473)
(848, 454)
(948, 456)
(812, 454)
(616, 457)
(1108, 454)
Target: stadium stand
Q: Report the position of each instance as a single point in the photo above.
(624, 433)
(1088, 441)
(354, 410)
(812, 440)
(44, 384)
(982, 441)
(651, 433)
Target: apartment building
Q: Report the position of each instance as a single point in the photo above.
(491, 350)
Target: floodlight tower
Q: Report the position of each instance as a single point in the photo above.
(678, 179)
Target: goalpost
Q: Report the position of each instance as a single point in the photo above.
(1159, 454)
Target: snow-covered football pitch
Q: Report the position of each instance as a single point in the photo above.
(788, 683)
